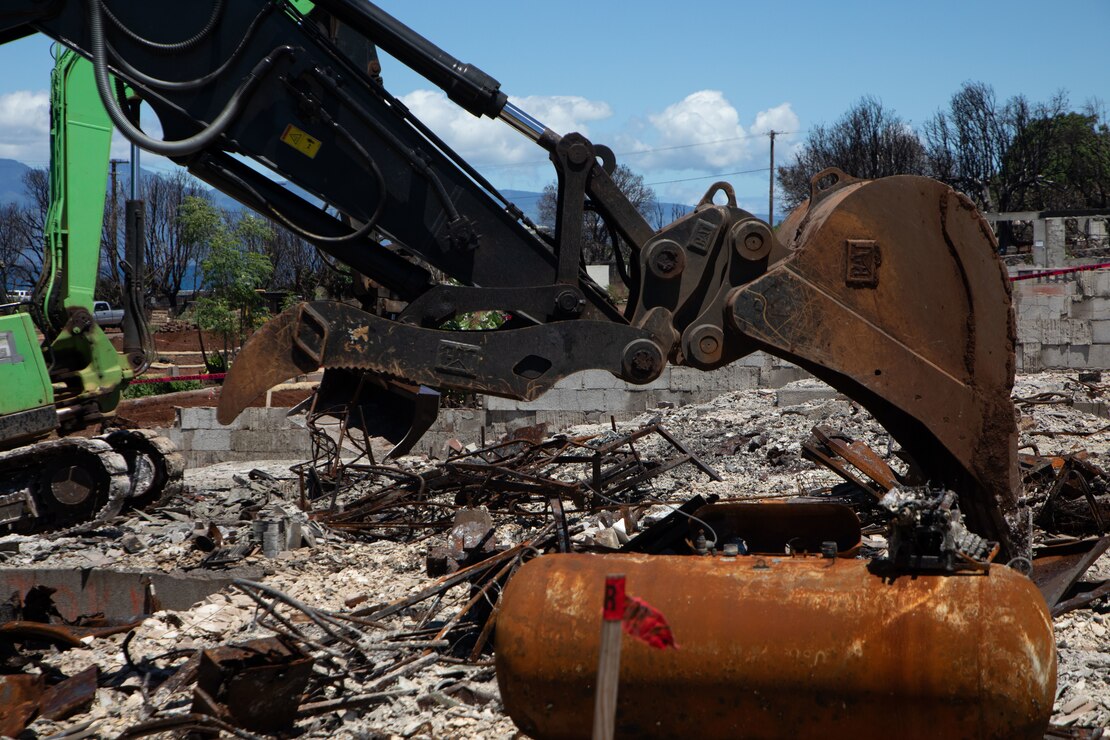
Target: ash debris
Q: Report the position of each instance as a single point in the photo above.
(388, 595)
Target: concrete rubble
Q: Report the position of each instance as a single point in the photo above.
(390, 686)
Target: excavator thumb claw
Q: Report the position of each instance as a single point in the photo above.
(892, 293)
(273, 354)
(295, 343)
(399, 412)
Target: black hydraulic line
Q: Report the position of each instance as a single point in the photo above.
(135, 135)
(366, 227)
(465, 84)
(255, 191)
(167, 48)
(511, 208)
(414, 159)
(145, 79)
(361, 233)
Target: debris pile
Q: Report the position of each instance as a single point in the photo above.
(365, 596)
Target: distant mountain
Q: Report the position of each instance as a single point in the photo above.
(11, 182)
(11, 191)
(529, 202)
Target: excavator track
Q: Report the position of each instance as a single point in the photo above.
(60, 484)
(154, 465)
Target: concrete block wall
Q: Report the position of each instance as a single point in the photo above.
(595, 395)
(590, 396)
(1063, 322)
(258, 434)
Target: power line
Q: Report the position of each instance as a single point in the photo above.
(635, 152)
(671, 182)
(709, 177)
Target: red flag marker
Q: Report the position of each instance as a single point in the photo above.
(647, 624)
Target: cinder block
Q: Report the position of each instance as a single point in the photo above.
(173, 434)
(1054, 357)
(755, 359)
(1100, 331)
(1079, 356)
(198, 417)
(779, 376)
(743, 378)
(1029, 357)
(183, 438)
(283, 442)
(496, 403)
(259, 417)
(1095, 408)
(794, 396)
(1028, 330)
(602, 380)
(689, 379)
(591, 400)
(588, 379)
(215, 440)
(562, 399)
(1092, 308)
(1098, 357)
(200, 458)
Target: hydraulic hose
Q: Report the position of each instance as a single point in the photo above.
(145, 79)
(167, 48)
(182, 147)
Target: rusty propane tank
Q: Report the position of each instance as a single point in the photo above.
(773, 647)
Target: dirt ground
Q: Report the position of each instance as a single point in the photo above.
(159, 411)
(178, 340)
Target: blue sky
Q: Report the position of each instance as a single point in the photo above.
(686, 93)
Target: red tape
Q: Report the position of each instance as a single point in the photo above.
(1061, 271)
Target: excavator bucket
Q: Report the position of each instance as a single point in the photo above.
(892, 292)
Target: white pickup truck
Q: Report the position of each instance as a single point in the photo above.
(105, 315)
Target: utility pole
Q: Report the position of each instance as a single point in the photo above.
(771, 195)
(113, 257)
(137, 341)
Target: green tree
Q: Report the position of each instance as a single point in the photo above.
(1075, 167)
(231, 273)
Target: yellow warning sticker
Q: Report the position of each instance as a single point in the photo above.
(301, 141)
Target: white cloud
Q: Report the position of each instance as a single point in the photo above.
(704, 118)
(781, 118)
(25, 126)
(484, 141)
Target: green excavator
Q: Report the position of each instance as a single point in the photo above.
(59, 371)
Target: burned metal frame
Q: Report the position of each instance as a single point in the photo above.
(561, 475)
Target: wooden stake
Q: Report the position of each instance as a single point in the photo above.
(609, 658)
